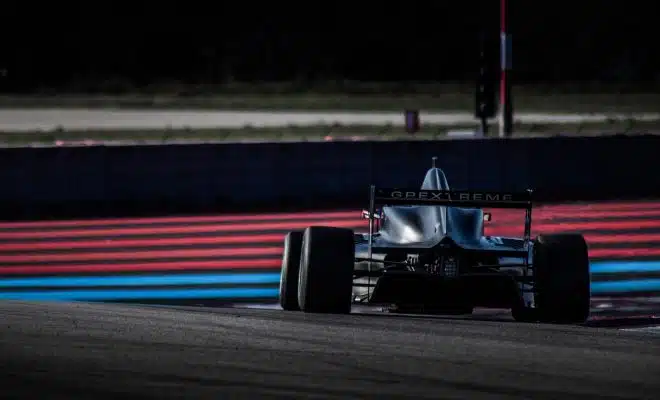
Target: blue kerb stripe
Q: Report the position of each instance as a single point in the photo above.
(83, 295)
(642, 285)
(599, 267)
(613, 267)
(645, 285)
(237, 293)
(152, 280)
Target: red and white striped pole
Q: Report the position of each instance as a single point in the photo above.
(506, 105)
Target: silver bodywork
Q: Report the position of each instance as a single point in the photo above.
(418, 227)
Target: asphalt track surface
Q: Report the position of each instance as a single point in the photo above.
(22, 120)
(79, 350)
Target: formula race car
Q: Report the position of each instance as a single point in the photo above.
(426, 252)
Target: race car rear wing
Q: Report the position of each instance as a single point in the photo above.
(456, 198)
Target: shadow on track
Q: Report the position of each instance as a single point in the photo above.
(610, 319)
(78, 350)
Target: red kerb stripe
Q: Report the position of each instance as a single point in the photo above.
(274, 263)
(264, 226)
(144, 242)
(564, 210)
(183, 219)
(283, 226)
(137, 255)
(259, 239)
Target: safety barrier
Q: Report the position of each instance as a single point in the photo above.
(118, 181)
(232, 258)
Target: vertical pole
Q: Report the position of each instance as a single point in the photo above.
(484, 126)
(506, 105)
(528, 229)
(372, 211)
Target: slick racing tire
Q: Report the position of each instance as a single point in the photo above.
(562, 281)
(326, 270)
(290, 269)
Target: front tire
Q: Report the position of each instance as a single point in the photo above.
(326, 270)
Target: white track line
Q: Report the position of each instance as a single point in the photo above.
(21, 120)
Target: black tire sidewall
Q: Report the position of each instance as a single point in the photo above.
(326, 270)
(561, 269)
(288, 294)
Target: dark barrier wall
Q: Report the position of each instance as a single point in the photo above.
(79, 181)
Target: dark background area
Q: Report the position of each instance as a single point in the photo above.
(105, 45)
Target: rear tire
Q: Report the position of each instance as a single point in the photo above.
(290, 270)
(326, 270)
(562, 281)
